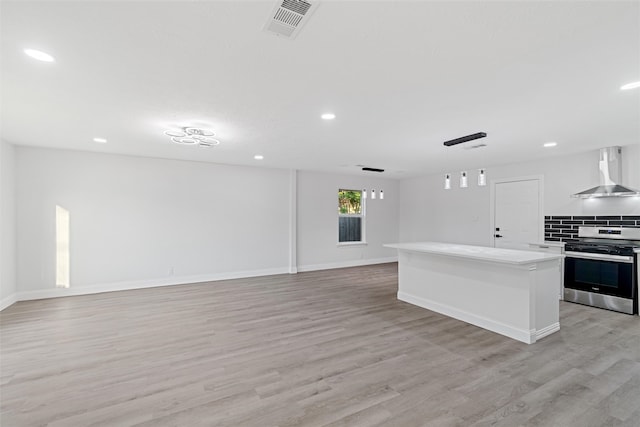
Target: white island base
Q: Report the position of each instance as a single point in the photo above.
(511, 292)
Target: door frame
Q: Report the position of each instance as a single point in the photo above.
(492, 199)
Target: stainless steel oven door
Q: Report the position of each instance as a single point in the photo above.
(600, 280)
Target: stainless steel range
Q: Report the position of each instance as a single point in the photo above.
(601, 268)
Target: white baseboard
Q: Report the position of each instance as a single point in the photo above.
(343, 264)
(522, 335)
(541, 333)
(6, 302)
(141, 284)
(174, 281)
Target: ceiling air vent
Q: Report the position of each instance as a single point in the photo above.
(289, 16)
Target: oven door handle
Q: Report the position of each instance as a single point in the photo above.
(600, 257)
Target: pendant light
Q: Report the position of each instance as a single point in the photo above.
(463, 179)
(372, 194)
(482, 178)
(447, 181)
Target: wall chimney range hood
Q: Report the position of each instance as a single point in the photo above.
(610, 174)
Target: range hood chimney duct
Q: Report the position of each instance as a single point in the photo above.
(610, 174)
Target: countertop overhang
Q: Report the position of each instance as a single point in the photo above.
(482, 253)
(548, 243)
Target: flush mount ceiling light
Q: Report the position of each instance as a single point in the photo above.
(631, 85)
(550, 144)
(39, 55)
(100, 140)
(193, 136)
(258, 157)
(328, 116)
(465, 139)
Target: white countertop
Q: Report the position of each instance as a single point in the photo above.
(550, 244)
(505, 256)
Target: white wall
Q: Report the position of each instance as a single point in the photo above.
(318, 221)
(141, 222)
(462, 215)
(7, 225)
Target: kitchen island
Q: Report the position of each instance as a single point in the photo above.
(511, 292)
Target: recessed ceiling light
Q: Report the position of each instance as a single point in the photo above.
(328, 116)
(100, 140)
(258, 157)
(39, 55)
(550, 144)
(631, 85)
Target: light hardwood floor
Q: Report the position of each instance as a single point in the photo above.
(329, 348)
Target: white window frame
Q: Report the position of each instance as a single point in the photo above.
(363, 221)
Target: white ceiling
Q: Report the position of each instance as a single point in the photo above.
(402, 77)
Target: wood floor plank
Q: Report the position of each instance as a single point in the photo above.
(325, 348)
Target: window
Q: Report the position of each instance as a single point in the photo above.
(350, 216)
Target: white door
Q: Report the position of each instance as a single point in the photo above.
(517, 215)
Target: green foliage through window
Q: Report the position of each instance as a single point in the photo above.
(349, 202)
